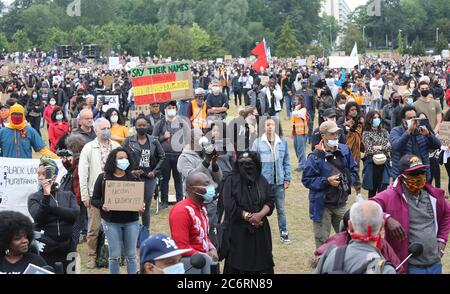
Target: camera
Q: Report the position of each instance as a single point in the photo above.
(208, 148)
(64, 153)
(344, 182)
(422, 122)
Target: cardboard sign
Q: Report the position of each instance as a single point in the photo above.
(114, 63)
(445, 54)
(124, 196)
(219, 60)
(444, 133)
(241, 61)
(141, 109)
(108, 80)
(310, 61)
(162, 83)
(301, 62)
(228, 57)
(4, 71)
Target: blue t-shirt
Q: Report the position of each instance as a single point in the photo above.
(13, 145)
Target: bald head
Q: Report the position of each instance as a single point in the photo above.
(196, 179)
(364, 214)
(86, 120)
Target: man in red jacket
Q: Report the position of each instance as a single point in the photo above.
(188, 219)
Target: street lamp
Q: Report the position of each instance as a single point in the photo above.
(437, 34)
(364, 33)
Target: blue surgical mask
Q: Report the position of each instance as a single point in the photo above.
(59, 117)
(376, 122)
(106, 134)
(410, 102)
(333, 143)
(176, 269)
(210, 193)
(123, 164)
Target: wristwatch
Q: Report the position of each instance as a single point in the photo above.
(245, 215)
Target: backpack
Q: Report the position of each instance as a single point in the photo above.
(102, 260)
(373, 266)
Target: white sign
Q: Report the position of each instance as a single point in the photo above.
(343, 62)
(445, 54)
(437, 58)
(241, 61)
(114, 63)
(219, 60)
(83, 70)
(20, 181)
(301, 62)
(110, 101)
(135, 60)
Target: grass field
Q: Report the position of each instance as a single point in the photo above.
(293, 258)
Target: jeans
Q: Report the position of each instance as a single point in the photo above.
(35, 122)
(378, 185)
(84, 219)
(300, 150)
(288, 106)
(278, 191)
(149, 186)
(170, 164)
(182, 108)
(237, 97)
(434, 269)
(310, 124)
(375, 104)
(118, 234)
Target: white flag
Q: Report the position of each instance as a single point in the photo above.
(354, 51)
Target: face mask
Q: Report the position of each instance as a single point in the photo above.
(106, 134)
(415, 183)
(248, 170)
(176, 269)
(341, 106)
(410, 123)
(354, 114)
(391, 84)
(35, 96)
(333, 143)
(209, 194)
(123, 164)
(114, 118)
(376, 122)
(410, 102)
(396, 101)
(52, 102)
(171, 112)
(16, 119)
(412, 85)
(425, 93)
(141, 131)
(215, 90)
(59, 117)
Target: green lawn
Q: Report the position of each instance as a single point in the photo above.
(289, 259)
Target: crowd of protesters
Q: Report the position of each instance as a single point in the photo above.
(377, 129)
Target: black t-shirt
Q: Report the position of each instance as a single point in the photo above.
(144, 161)
(20, 266)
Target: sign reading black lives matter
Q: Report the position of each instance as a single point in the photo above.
(124, 196)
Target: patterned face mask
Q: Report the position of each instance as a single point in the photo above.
(415, 183)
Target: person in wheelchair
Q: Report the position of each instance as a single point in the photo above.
(16, 236)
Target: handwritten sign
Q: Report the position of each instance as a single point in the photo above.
(444, 133)
(124, 196)
(162, 83)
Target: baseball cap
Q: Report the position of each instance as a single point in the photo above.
(330, 112)
(159, 247)
(329, 127)
(410, 163)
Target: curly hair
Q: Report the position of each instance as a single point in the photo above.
(13, 223)
(111, 166)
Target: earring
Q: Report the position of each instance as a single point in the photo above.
(6, 252)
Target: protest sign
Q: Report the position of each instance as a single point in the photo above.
(301, 62)
(108, 80)
(264, 80)
(343, 62)
(310, 61)
(444, 133)
(109, 101)
(4, 71)
(162, 83)
(241, 61)
(36, 270)
(445, 54)
(219, 60)
(83, 71)
(135, 60)
(114, 63)
(228, 57)
(20, 180)
(124, 196)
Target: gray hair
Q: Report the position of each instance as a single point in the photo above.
(75, 142)
(364, 214)
(98, 121)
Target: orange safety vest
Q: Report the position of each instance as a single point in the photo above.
(199, 116)
(300, 125)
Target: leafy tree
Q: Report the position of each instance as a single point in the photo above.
(441, 44)
(176, 44)
(20, 42)
(287, 44)
(54, 37)
(417, 47)
(351, 35)
(4, 44)
(401, 45)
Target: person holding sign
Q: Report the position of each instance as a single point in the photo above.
(119, 226)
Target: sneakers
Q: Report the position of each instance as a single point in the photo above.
(91, 264)
(285, 238)
(163, 205)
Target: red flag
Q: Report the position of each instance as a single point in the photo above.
(260, 52)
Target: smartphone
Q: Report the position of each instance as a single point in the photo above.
(423, 122)
(48, 173)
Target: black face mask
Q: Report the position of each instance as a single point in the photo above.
(425, 93)
(141, 131)
(248, 170)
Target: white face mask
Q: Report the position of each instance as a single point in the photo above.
(341, 106)
(412, 85)
(114, 118)
(52, 102)
(333, 143)
(171, 112)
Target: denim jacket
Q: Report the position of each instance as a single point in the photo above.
(280, 155)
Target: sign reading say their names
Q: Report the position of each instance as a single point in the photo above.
(162, 83)
(124, 195)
